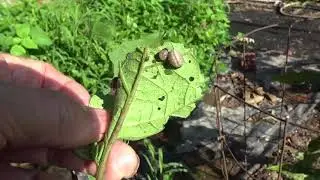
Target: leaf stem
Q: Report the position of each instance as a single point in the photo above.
(114, 135)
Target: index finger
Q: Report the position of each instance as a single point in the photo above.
(26, 72)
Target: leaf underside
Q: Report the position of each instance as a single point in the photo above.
(162, 91)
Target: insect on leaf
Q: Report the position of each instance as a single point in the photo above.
(162, 91)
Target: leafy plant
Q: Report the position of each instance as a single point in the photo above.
(158, 169)
(84, 31)
(25, 37)
(304, 169)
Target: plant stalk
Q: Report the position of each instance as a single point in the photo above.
(114, 135)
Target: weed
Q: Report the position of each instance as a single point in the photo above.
(158, 169)
(84, 31)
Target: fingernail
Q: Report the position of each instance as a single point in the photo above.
(123, 160)
(134, 170)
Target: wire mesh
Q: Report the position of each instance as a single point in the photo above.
(283, 118)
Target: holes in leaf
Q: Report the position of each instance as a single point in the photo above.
(159, 108)
(191, 78)
(161, 98)
(154, 61)
(155, 76)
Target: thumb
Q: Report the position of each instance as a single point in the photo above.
(40, 117)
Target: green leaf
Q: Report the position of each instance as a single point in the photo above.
(184, 112)
(40, 37)
(17, 50)
(120, 52)
(103, 31)
(162, 91)
(22, 30)
(289, 173)
(96, 102)
(16, 40)
(6, 41)
(28, 43)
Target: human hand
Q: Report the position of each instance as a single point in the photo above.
(44, 116)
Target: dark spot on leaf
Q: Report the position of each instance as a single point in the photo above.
(154, 61)
(191, 78)
(189, 61)
(168, 72)
(162, 98)
(129, 55)
(155, 76)
(159, 108)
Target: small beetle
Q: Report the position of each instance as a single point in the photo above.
(175, 59)
(163, 54)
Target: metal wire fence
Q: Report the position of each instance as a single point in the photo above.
(299, 12)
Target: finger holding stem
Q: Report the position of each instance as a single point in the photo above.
(109, 141)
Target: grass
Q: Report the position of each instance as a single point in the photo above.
(84, 31)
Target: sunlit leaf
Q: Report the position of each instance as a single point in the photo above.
(96, 102)
(119, 53)
(162, 91)
(28, 43)
(22, 30)
(17, 50)
(40, 37)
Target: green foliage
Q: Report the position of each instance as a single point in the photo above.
(119, 53)
(158, 169)
(24, 38)
(304, 169)
(81, 33)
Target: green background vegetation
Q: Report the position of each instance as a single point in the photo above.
(84, 31)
